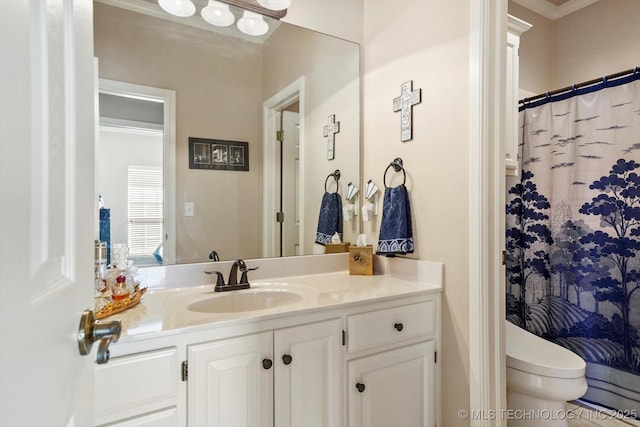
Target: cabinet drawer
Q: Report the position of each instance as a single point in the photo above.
(128, 382)
(388, 326)
(164, 418)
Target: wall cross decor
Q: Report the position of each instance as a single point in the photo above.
(329, 131)
(404, 103)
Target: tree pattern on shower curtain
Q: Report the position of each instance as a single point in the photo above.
(573, 234)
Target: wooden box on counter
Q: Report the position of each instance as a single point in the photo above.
(335, 248)
(361, 260)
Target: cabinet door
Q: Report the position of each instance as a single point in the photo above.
(229, 385)
(307, 375)
(393, 388)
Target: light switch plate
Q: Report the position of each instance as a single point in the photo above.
(188, 209)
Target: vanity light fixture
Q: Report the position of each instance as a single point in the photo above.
(257, 7)
(275, 4)
(181, 8)
(217, 14)
(252, 24)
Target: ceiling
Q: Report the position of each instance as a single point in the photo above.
(554, 9)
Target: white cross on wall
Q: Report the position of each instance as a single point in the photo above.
(404, 103)
(330, 131)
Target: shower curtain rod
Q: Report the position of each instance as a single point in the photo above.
(579, 85)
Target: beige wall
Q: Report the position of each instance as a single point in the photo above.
(426, 41)
(218, 96)
(330, 66)
(597, 40)
(594, 41)
(340, 18)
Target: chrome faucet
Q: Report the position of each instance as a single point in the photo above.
(232, 284)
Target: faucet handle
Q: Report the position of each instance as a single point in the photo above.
(219, 280)
(244, 278)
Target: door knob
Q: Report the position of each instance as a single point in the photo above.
(267, 363)
(91, 330)
(360, 387)
(287, 359)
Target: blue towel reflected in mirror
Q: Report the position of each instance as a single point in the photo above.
(330, 219)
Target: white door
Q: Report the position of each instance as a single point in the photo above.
(307, 376)
(393, 388)
(291, 184)
(231, 382)
(46, 210)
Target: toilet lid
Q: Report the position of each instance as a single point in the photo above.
(530, 353)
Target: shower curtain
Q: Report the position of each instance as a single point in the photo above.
(573, 233)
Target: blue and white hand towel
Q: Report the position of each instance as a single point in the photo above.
(396, 233)
(330, 220)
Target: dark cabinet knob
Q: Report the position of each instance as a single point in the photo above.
(399, 327)
(286, 359)
(360, 387)
(267, 363)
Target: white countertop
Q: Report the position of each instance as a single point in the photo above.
(161, 311)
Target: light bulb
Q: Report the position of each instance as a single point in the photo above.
(181, 8)
(275, 4)
(252, 24)
(217, 14)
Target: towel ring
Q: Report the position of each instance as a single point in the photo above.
(336, 176)
(397, 166)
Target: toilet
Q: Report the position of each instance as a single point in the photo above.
(541, 377)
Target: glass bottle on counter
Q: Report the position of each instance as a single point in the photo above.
(120, 289)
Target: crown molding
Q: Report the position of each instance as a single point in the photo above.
(516, 25)
(550, 10)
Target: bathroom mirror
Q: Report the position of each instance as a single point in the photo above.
(232, 94)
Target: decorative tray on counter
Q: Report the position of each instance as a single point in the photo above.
(113, 307)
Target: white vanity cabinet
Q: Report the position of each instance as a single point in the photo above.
(368, 363)
(290, 376)
(395, 386)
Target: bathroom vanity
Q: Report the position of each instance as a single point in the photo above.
(341, 350)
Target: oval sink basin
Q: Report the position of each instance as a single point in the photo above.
(237, 301)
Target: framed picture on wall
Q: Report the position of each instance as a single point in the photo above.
(201, 153)
(218, 154)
